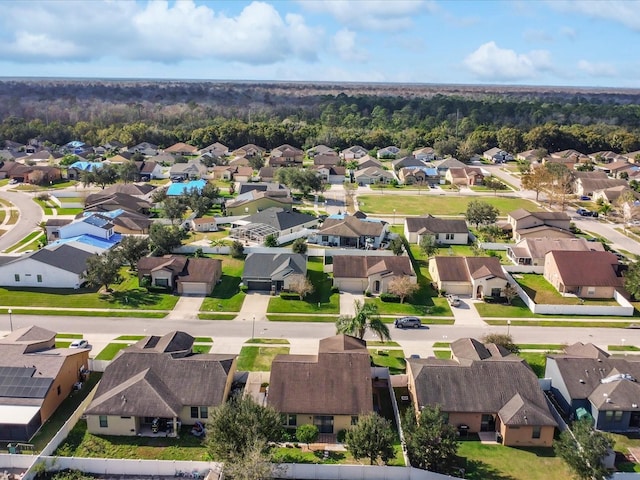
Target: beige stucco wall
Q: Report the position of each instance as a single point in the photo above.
(472, 420)
(116, 425)
(69, 374)
(163, 274)
(340, 422)
(488, 284)
(521, 436)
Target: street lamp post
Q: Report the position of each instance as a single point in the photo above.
(508, 326)
(253, 328)
(394, 216)
(10, 319)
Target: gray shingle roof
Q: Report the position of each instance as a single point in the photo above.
(65, 257)
(273, 266)
(436, 225)
(279, 218)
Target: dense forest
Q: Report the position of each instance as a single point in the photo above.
(456, 120)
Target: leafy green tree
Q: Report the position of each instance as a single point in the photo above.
(503, 340)
(174, 209)
(583, 448)
(428, 245)
(371, 438)
(494, 184)
(366, 318)
(133, 249)
(300, 179)
(237, 249)
(271, 240)
(69, 159)
(632, 279)
(396, 245)
(210, 191)
(536, 179)
(105, 175)
(307, 433)
(103, 269)
(481, 213)
(165, 238)
(159, 195)
(252, 464)
(431, 442)
(605, 209)
(235, 426)
(299, 246)
(128, 172)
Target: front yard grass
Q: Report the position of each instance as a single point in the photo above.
(537, 362)
(393, 359)
(497, 462)
(81, 443)
(21, 245)
(302, 318)
(322, 300)
(258, 359)
(216, 316)
(269, 341)
(226, 296)
(111, 350)
(623, 348)
(437, 204)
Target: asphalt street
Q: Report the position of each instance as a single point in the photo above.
(30, 216)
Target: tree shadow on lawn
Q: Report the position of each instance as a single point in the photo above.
(227, 288)
(135, 298)
(477, 470)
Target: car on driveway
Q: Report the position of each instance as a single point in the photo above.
(408, 322)
(453, 300)
(585, 198)
(82, 343)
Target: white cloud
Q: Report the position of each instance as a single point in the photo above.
(536, 36)
(597, 69)
(569, 32)
(345, 45)
(156, 30)
(490, 62)
(382, 15)
(626, 12)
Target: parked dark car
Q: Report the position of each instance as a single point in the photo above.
(586, 213)
(408, 322)
(585, 197)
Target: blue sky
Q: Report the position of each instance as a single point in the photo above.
(525, 42)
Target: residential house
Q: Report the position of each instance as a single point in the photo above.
(407, 162)
(619, 169)
(52, 227)
(107, 202)
(36, 378)
(126, 222)
(321, 150)
(372, 176)
(370, 273)
(204, 224)
(42, 157)
(585, 183)
(240, 162)
(443, 230)
(497, 155)
(249, 150)
(217, 149)
(633, 157)
(585, 274)
(419, 176)
(181, 148)
(388, 152)
(145, 148)
(140, 190)
(532, 251)
(475, 276)
(587, 381)
(286, 156)
(531, 156)
(273, 271)
(189, 170)
(148, 170)
(334, 175)
(223, 172)
(76, 169)
(186, 276)
(271, 221)
(351, 232)
(426, 154)
(353, 153)
(38, 174)
(611, 195)
(279, 188)
(255, 201)
(119, 158)
(330, 390)
(177, 189)
(112, 146)
(606, 157)
(571, 155)
(526, 224)
(159, 378)
(367, 161)
(507, 403)
(467, 176)
(96, 225)
(267, 174)
(444, 165)
(243, 174)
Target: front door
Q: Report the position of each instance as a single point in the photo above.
(324, 423)
(488, 423)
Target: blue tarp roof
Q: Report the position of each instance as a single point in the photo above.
(102, 243)
(86, 166)
(111, 214)
(179, 188)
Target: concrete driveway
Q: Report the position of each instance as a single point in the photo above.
(347, 303)
(466, 313)
(255, 305)
(187, 308)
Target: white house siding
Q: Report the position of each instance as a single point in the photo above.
(28, 271)
(441, 238)
(81, 228)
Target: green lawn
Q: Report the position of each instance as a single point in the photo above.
(393, 359)
(132, 338)
(622, 443)
(302, 318)
(81, 443)
(111, 350)
(564, 323)
(21, 245)
(269, 341)
(497, 462)
(75, 336)
(258, 359)
(63, 343)
(537, 362)
(216, 316)
(226, 296)
(92, 313)
(322, 300)
(467, 251)
(436, 205)
(542, 292)
(201, 348)
(623, 348)
(69, 211)
(302, 455)
(204, 340)
(126, 295)
(378, 343)
(443, 354)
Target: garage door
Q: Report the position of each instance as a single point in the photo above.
(350, 285)
(456, 288)
(255, 285)
(193, 288)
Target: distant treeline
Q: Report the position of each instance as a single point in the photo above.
(457, 123)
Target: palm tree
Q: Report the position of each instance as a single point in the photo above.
(605, 209)
(366, 318)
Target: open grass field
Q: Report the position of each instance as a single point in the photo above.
(226, 296)
(322, 300)
(258, 359)
(436, 204)
(81, 443)
(497, 462)
(126, 295)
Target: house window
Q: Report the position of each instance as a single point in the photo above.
(325, 238)
(445, 417)
(535, 433)
(354, 419)
(103, 421)
(125, 418)
(449, 236)
(292, 420)
(59, 389)
(16, 277)
(591, 291)
(162, 282)
(39, 278)
(617, 416)
(496, 292)
(194, 412)
(204, 412)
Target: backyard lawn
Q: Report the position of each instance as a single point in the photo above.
(322, 300)
(542, 292)
(258, 359)
(226, 296)
(436, 205)
(126, 295)
(393, 359)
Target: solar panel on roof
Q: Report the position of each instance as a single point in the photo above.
(19, 382)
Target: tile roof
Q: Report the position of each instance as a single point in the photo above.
(337, 381)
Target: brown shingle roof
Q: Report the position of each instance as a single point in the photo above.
(362, 267)
(463, 269)
(436, 225)
(594, 269)
(351, 227)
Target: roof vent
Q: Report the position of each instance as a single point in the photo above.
(581, 380)
(634, 405)
(608, 400)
